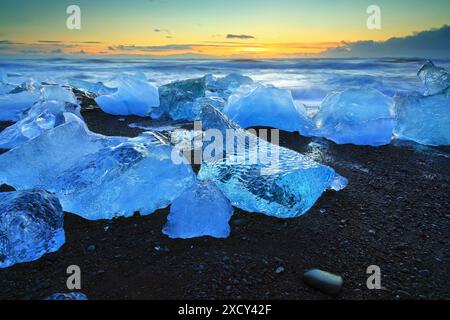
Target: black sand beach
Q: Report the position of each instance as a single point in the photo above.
(394, 214)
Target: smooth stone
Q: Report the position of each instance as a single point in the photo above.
(323, 281)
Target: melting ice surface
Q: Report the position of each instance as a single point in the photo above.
(31, 225)
(285, 187)
(356, 116)
(201, 210)
(435, 79)
(13, 104)
(183, 100)
(268, 106)
(41, 117)
(95, 176)
(426, 119)
(134, 96)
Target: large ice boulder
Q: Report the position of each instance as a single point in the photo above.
(134, 96)
(42, 116)
(277, 182)
(12, 105)
(183, 100)
(435, 79)
(201, 210)
(424, 119)
(31, 225)
(268, 106)
(356, 116)
(95, 176)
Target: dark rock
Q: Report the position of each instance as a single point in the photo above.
(323, 281)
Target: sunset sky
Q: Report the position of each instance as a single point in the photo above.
(232, 28)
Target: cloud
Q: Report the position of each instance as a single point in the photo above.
(163, 48)
(434, 43)
(239, 36)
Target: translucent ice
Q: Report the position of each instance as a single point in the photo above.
(356, 116)
(424, 119)
(67, 296)
(58, 93)
(95, 176)
(42, 116)
(31, 225)
(268, 106)
(134, 96)
(435, 79)
(183, 100)
(201, 210)
(283, 184)
(97, 89)
(12, 105)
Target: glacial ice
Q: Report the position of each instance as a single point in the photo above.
(183, 100)
(424, 119)
(134, 96)
(31, 225)
(67, 296)
(356, 116)
(201, 210)
(58, 93)
(282, 183)
(435, 79)
(96, 89)
(12, 105)
(95, 176)
(42, 116)
(268, 106)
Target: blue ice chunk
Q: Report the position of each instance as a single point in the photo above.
(283, 184)
(12, 105)
(67, 296)
(97, 89)
(201, 210)
(424, 119)
(183, 100)
(95, 176)
(42, 116)
(435, 79)
(58, 93)
(31, 225)
(134, 96)
(356, 116)
(268, 106)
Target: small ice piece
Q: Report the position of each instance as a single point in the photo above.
(95, 176)
(201, 210)
(97, 89)
(280, 183)
(435, 79)
(42, 116)
(12, 105)
(58, 93)
(183, 100)
(68, 296)
(31, 225)
(356, 116)
(134, 96)
(424, 119)
(268, 106)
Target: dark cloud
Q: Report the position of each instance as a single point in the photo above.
(434, 43)
(239, 36)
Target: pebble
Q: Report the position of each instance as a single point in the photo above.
(323, 281)
(91, 248)
(279, 270)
